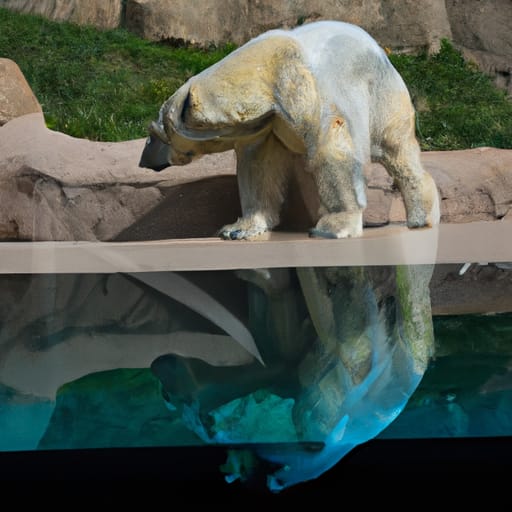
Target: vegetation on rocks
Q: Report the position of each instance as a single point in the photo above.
(108, 84)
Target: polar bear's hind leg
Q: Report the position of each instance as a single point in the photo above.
(401, 156)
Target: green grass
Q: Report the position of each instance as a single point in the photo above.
(108, 85)
(458, 106)
(100, 85)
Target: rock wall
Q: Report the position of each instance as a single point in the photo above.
(480, 28)
(100, 13)
(394, 23)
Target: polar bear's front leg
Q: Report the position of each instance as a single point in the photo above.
(262, 172)
(340, 181)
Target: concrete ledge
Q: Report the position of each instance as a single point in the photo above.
(389, 245)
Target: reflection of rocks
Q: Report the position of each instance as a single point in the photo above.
(483, 288)
(467, 392)
(332, 340)
(143, 419)
(57, 328)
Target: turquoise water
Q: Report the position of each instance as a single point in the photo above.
(80, 372)
(467, 391)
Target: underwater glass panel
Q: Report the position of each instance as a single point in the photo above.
(291, 367)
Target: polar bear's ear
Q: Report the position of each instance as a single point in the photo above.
(158, 131)
(174, 111)
(174, 124)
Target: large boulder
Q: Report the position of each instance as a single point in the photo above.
(99, 13)
(393, 23)
(474, 184)
(16, 96)
(482, 31)
(65, 188)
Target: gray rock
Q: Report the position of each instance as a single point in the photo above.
(393, 23)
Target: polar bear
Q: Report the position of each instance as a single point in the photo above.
(322, 98)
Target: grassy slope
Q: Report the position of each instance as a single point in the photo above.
(108, 85)
(102, 85)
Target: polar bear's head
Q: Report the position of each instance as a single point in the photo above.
(174, 141)
(208, 114)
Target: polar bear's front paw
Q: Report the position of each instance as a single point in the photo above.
(339, 225)
(244, 228)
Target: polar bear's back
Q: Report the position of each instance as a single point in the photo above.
(332, 46)
(343, 56)
(322, 35)
(323, 41)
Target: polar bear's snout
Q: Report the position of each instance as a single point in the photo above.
(155, 154)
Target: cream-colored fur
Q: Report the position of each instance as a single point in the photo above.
(325, 91)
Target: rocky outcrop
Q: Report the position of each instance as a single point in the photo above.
(99, 13)
(482, 31)
(64, 188)
(16, 96)
(474, 184)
